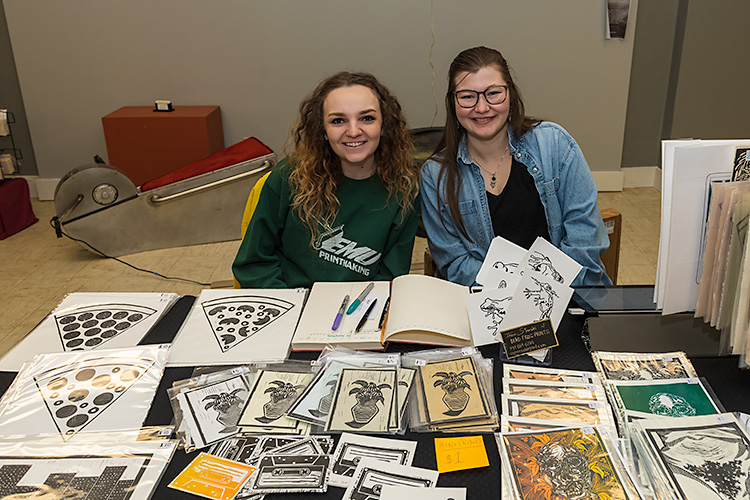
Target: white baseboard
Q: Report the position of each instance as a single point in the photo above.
(628, 177)
(608, 180)
(46, 188)
(42, 189)
(642, 177)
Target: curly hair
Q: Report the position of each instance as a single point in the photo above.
(446, 151)
(316, 169)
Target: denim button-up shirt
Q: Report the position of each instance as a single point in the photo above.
(566, 189)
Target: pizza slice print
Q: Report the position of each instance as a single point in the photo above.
(234, 319)
(89, 327)
(78, 393)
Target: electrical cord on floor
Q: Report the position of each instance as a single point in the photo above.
(57, 226)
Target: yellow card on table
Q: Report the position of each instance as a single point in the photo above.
(460, 453)
(213, 477)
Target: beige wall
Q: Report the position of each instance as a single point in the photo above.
(79, 60)
(649, 82)
(712, 97)
(10, 99)
(689, 76)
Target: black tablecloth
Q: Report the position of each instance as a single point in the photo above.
(728, 382)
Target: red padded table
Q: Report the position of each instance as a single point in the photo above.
(245, 150)
(145, 144)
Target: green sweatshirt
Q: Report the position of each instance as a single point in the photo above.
(369, 240)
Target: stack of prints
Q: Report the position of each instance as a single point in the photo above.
(452, 391)
(572, 462)
(529, 289)
(537, 398)
(648, 385)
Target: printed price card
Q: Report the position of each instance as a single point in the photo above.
(460, 453)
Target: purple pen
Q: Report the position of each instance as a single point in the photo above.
(340, 314)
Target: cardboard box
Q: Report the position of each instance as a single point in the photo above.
(611, 258)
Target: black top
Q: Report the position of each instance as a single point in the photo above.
(517, 213)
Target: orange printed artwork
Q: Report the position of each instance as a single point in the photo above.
(569, 463)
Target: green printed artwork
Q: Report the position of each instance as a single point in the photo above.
(675, 399)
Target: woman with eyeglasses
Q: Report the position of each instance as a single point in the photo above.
(341, 206)
(498, 172)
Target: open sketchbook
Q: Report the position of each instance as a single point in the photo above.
(422, 310)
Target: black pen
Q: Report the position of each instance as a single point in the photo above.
(384, 313)
(364, 316)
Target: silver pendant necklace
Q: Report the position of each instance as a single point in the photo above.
(493, 174)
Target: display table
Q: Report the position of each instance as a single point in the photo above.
(728, 382)
(146, 144)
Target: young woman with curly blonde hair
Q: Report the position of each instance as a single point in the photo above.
(342, 206)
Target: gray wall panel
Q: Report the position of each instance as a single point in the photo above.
(78, 61)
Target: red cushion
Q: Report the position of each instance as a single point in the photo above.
(242, 151)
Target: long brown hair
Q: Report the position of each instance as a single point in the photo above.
(471, 61)
(316, 169)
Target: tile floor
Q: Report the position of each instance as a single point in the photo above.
(37, 269)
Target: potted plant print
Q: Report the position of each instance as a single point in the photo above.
(228, 407)
(454, 385)
(281, 397)
(368, 394)
(324, 404)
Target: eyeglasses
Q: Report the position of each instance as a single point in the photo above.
(493, 95)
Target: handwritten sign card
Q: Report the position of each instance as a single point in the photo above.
(460, 453)
(528, 338)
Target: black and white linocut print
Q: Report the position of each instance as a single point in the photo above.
(542, 264)
(501, 265)
(89, 327)
(487, 310)
(291, 474)
(405, 381)
(214, 409)
(236, 319)
(227, 327)
(67, 393)
(238, 448)
(352, 448)
(249, 448)
(270, 397)
(544, 290)
(495, 310)
(315, 401)
(543, 296)
(646, 366)
(363, 400)
(371, 475)
(549, 263)
(305, 446)
(705, 462)
(271, 444)
(131, 471)
(741, 168)
(88, 321)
